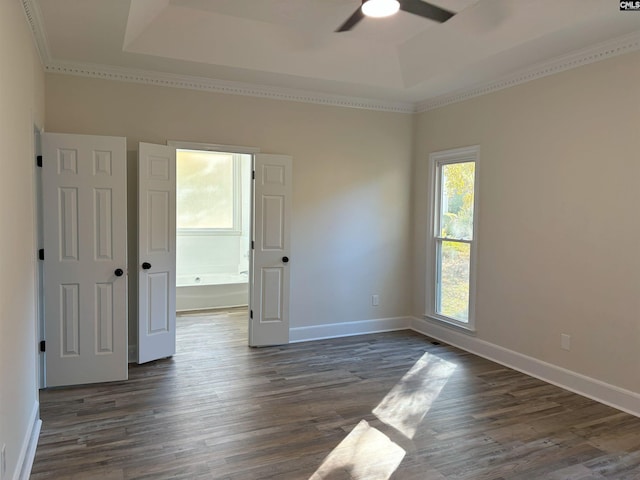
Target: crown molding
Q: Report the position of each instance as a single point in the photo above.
(196, 83)
(601, 51)
(35, 22)
(225, 87)
(611, 48)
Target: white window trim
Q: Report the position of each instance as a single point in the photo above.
(237, 185)
(437, 159)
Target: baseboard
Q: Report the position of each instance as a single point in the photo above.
(602, 392)
(132, 353)
(348, 329)
(28, 450)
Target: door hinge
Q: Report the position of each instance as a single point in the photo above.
(253, 175)
(41, 254)
(39, 160)
(251, 314)
(253, 245)
(43, 346)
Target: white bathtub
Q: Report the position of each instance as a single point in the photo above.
(218, 290)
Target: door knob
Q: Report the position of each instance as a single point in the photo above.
(146, 266)
(285, 259)
(119, 272)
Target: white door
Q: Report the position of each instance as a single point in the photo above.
(85, 282)
(272, 191)
(156, 252)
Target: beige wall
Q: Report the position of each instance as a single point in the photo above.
(351, 204)
(558, 215)
(21, 105)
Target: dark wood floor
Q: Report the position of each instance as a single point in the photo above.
(374, 407)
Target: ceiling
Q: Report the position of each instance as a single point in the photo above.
(291, 44)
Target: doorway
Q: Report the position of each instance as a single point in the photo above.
(152, 267)
(213, 229)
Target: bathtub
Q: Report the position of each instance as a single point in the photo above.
(211, 290)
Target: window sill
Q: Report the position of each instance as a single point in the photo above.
(452, 324)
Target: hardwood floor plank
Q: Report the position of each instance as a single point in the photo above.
(327, 410)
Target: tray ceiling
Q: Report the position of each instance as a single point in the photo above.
(291, 44)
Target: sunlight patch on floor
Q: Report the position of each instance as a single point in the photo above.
(366, 454)
(410, 399)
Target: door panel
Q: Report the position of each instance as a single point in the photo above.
(272, 301)
(156, 252)
(270, 289)
(84, 212)
(104, 317)
(70, 308)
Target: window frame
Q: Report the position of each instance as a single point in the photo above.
(434, 241)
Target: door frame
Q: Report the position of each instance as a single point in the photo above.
(37, 185)
(218, 147)
(38, 240)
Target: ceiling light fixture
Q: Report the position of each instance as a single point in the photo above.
(380, 8)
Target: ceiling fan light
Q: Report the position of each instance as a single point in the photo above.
(380, 8)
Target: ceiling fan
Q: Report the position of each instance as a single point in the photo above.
(384, 8)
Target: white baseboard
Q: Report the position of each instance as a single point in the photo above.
(28, 450)
(602, 392)
(348, 329)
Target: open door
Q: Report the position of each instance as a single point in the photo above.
(156, 252)
(269, 302)
(85, 258)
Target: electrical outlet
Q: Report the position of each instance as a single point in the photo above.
(3, 462)
(375, 300)
(565, 341)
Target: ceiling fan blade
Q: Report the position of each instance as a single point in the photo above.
(351, 21)
(427, 10)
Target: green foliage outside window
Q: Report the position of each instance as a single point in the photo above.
(456, 222)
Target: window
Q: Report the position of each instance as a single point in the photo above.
(453, 237)
(208, 192)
